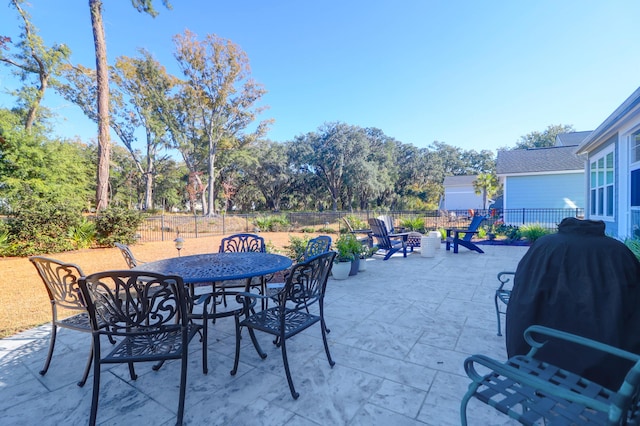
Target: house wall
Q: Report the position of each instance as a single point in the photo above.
(544, 191)
(461, 198)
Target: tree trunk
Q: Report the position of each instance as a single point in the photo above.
(102, 74)
(211, 209)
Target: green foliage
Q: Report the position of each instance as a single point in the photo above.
(545, 138)
(275, 223)
(532, 232)
(348, 247)
(414, 224)
(296, 247)
(307, 230)
(83, 234)
(37, 169)
(117, 224)
(356, 222)
(40, 228)
(482, 233)
(326, 230)
(634, 246)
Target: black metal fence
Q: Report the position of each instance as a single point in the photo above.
(167, 227)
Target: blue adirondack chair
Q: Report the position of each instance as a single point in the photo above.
(453, 236)
(390, 243)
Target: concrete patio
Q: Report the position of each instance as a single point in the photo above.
(400, 332)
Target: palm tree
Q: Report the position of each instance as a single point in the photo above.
(487, 185)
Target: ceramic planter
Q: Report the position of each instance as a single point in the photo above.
(341, 270)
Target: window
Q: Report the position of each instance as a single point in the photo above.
(635, 148)
(601, 185)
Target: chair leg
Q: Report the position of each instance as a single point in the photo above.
(283, 345)
(52, 344)
(326, 344)
(237, 357)
(132, 371)
(87, 368)
(465, 401)
(96, 382)
(495, 300)
(183, 385)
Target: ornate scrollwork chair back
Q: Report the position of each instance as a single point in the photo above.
(305, 287)
(131, 260)
(149, 313)
(61, 281)
(242, 243)
(315, 246)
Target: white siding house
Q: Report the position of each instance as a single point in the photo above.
(613, 170)
(459, 193)
(542, 178)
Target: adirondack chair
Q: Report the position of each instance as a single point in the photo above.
(390, 243)
(453, 236)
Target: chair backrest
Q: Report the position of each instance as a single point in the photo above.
(127, 254)
(388, 222)
(315, 246)
(473, 226)
(134, 301)
(61, 282)
(307, 282)
(380, 233)
(242, 243)
(349, 227)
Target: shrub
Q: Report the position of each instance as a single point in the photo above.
(532, 232)
(414, 224)
(39, 228)
(634, 246)
(83, 234)
(117, 224)
(276, 223)
(296, 247)
(356, 222)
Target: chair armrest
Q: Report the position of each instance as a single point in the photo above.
(563, 335)
(504, 277)
(529, 380)
(461, 231)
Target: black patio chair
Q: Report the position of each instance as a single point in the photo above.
(131, 260)
(148, 313)
(535, 392)
(503, 293)
(61, 281)
(305, 288)
(237, 243)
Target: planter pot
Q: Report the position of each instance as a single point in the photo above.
(363, 265)
(355, 266)
(340, 270)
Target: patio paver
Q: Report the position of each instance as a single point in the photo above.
(399, 333)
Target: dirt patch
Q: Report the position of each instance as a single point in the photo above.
(24, 300)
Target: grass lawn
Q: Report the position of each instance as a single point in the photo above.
(23, 297)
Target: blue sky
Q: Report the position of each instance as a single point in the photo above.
(473, 74)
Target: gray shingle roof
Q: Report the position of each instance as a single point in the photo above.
(459, 180)
(571, 138)
(552, 159)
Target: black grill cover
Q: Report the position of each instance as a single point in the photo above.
(583, 282)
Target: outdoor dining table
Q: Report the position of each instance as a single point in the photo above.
(215, 267)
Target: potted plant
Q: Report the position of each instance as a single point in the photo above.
(342, 263)
(366, 252)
